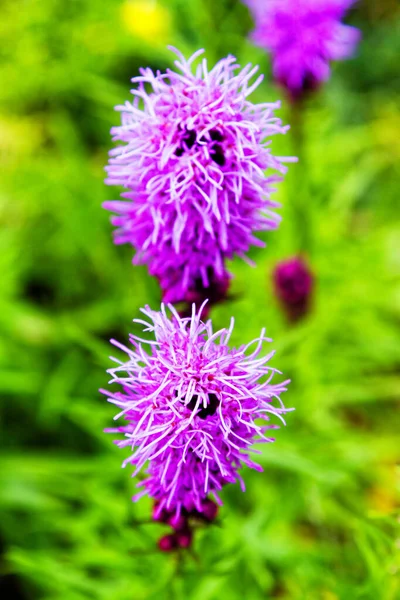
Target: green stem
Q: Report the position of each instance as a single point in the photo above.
(300, 200)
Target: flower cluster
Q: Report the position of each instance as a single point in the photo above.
(193, 159)
(193, 407)
(198, 172)
(303, 36)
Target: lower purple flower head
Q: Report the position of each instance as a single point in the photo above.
(303, 36)
(293, 283)
(193, 407)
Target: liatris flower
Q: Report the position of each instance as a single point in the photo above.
(192, 407)
(303, 36)
(293, 283)
(193, 161)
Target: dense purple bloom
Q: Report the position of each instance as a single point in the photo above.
(193, 161)
(293, 282)
(303, 36)
(193, 407)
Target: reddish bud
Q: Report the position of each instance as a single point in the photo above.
(210, 510)
(184, 538)
(293, 282)
(167, 543)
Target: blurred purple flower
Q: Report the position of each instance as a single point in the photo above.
(193, 161)
(193, 407)
(293, 283)
(303, 36)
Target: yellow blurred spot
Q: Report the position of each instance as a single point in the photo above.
(328, 595)
(382, 501)
(146, 19)
(386, 130)
(384, 496)
(19, 138)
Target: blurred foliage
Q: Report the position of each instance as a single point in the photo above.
(322, 522)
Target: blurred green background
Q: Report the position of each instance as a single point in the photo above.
(322, 521)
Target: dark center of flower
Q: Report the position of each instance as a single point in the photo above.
(217, 154)
(216, 135)
(189, 139)
(207, 411)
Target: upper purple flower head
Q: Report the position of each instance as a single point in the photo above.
(303, 36)
(193, 407)
(193, 161)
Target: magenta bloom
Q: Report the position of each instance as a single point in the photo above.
(303, 36)
(293, 282)
(193, 161)
(192, 407)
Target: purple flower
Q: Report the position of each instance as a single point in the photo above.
(192, 407)
(193, 161)
(303, 36)
(293, 283)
